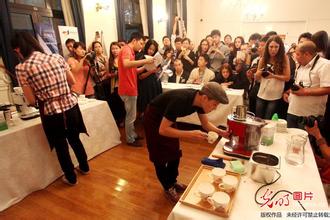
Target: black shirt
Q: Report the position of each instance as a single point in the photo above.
(176, 103)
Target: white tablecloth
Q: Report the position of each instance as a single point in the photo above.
(26, 162)
(219, 115)
(303, 179)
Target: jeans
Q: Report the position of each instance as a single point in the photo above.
(130, 107)
(167, 173)
(265, 109)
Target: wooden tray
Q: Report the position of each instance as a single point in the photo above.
(190, 198)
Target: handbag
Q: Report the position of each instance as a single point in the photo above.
(102, 89)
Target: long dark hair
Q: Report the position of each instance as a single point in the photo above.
(111, 57)
(237, 49)
(148, 44)
(228, 67)
(199, 50)
(280, 61)
(320, 39)
(26, 42)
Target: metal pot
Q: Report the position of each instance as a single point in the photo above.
(263, 167)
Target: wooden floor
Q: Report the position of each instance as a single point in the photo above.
(121, 185)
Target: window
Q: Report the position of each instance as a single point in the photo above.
(36, 3)
(41, 18)
(130, 20)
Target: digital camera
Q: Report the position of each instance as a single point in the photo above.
(266, 70)
(296, 87)
(91, 57)
(309, 121)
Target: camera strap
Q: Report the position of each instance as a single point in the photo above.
(89, 72)
(317, 57)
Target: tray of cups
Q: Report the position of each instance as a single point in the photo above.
(212, 190)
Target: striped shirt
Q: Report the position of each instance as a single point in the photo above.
(46, 75)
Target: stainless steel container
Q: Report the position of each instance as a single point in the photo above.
(263, 167)
(240, 112)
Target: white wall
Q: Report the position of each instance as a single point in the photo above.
(104, 19)
(286, 17)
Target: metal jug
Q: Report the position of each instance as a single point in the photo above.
(240, 112)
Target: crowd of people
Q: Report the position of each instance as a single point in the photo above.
(293, 81)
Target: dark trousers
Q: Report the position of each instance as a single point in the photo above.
(167, 173)
(265, 109)
(63, 155)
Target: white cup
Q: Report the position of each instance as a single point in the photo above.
(82, 96)
(18, 90)
(205, 190)
(212, 136)
(229, 183)
(219, 200)
(217, 173)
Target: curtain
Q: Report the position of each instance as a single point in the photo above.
(184, 12)
(9, 57)
(120, 19)
(67, 12)
(169, 7)
(78, 16)
(181, 11)
(150, 19)
(144, 16)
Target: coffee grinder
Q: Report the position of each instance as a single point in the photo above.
(245, 131)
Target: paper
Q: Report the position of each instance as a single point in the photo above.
(166, 70)
(158, 59)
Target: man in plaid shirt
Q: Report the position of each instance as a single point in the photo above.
(45, 81)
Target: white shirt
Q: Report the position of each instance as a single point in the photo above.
(318, 77)
(271, 89)
(178, 77)
(205, 76)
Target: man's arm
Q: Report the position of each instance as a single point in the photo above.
(192, 76)
(165, 129)
(312, 91)
(208, 126)
(136, 63)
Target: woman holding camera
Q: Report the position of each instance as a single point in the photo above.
(273, 71)
(101, 76)
(80, 69)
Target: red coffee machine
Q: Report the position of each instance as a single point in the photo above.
(245, 133)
